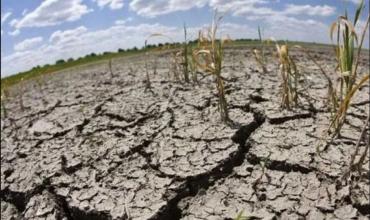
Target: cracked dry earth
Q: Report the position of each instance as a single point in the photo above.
(88, 147)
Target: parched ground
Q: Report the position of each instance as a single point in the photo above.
(86, 146)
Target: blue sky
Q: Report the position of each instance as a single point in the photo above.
(37, 32)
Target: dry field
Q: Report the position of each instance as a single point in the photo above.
(89, 146)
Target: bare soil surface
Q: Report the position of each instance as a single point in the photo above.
(86, 146)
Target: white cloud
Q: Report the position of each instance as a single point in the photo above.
(52, 12)
(4, 17)
(13, 22)
(60, 37)
(257, 9)
(16, 32)
(124, 21)
(154, 8)
(289, 28)
(28, 44)
(113, 4)
(249, 8)
(319, 10)
(80, 41)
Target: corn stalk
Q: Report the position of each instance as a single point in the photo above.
(147, 81)
(290, 77)
(259, 55)
(208, 57)
(346, 40)
(185, 54)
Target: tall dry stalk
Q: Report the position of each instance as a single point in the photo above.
(259, 55)
(290, 77)
(209, 57)
(185, 64)
(110, 69)
(147, 77)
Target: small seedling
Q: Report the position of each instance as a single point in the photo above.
(290, 77)
(208, 57)
(241, 216)
(263, 163)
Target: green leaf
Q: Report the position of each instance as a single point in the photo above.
(359, 9)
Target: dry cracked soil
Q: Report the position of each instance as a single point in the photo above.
(88, 146)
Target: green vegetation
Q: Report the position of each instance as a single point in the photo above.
(347, 62)
(241, 216)
(346, 45)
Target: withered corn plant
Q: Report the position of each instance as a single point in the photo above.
(208, 57)
(259, 55)
(147, 80)
(345, 50)
(290, 77)
(185, 63)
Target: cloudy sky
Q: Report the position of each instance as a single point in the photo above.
(37, 32)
